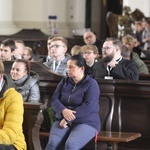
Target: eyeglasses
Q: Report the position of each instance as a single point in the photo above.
(56, 46)
(107, 48)
(87, 53)
(90, 36)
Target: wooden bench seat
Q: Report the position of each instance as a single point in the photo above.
(113, 138)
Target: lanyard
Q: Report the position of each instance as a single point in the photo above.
(109, 68)
(55, 68)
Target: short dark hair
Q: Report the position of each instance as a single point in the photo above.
(10, 43)
(115, 41)
(125, 52)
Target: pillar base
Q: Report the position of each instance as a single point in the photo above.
(8, 28)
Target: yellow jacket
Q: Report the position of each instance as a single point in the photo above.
(11, 119)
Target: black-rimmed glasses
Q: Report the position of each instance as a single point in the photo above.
(56, 46)
(107, 48)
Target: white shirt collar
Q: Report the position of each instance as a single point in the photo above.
(1, 83)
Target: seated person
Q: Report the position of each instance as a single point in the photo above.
(18, 52)
(90, 54)
(91, 39)
(112, 65)
(128, 40)
(137, 32)
(59, 58)
(76, 105)
(28, 53)
(146, 34)
(125, 52)
(11, 106)
(6, 49)
(26, 82)
(48, 57)
(75, 50)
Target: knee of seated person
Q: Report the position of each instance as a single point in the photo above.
(52, 144)
(72, 144)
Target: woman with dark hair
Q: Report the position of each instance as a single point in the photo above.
(26, 82)
(76, 106)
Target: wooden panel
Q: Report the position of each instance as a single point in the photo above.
(37, 40)
(124, 105)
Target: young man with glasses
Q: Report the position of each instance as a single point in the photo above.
(112, 65)
(59, 58)
(90, 54)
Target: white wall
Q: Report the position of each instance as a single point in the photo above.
(143, 5)
(23, 14)
(6, 17)
(34, 14)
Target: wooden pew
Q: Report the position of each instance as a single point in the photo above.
(124, 106)
(37, 40)
(33, 119)
(132, 111)
(128, 102)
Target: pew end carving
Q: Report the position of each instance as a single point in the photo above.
(33, 119)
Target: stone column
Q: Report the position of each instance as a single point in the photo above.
(7, 26)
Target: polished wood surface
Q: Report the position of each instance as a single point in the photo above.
(110, 136)
(37, 40)
(33, 119)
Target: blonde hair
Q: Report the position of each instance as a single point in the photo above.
(64, 40)
(89, 47)
(128, 39)
(1, 67)
(29, 49)
(75, 50)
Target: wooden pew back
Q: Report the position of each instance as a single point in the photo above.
(46, 78)
(124, 105)
(33, 119)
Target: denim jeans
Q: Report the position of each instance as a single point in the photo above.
(72, 138)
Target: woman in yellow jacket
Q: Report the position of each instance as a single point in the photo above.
(11, 115)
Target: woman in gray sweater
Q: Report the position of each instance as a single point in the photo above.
(25, 81)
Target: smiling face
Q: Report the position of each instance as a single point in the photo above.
(18, 70)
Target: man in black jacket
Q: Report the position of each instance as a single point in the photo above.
(112, 65)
